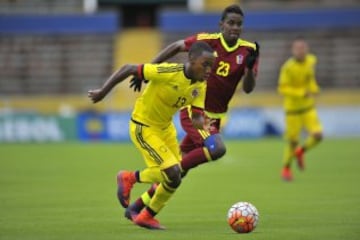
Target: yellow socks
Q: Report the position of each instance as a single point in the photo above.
(310, 142)
(162, 194)
(288, 155)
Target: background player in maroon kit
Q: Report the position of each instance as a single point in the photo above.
(236, 60)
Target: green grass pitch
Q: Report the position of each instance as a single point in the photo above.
(68, 191)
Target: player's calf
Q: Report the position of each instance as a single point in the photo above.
(299, 154)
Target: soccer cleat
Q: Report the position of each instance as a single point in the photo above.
(125, 182)
(134, 209)
(299, 154)
(146, 220)
(130, 214)
(286, 174)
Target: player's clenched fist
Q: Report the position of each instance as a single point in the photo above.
(96, 95)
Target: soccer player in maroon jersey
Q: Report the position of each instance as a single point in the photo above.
(236, 60)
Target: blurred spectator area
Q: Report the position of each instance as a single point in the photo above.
(43, 64)
(296, 4)
(54, 54)
(61, 48)
(333, 36)
(41, 6)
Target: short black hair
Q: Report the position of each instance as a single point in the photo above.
(299, 37)
(198, 48)
(234, 8)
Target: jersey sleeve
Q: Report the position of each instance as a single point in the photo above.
(189, 41)
(203, 36)
(284, 87)
(149, 72)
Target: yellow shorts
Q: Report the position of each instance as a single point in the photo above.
(159, 147)
(296, 122)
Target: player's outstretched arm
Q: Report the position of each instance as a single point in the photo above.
(250, 75)
(249, 81)
(165, 54)
(97, 95)
(169, 51)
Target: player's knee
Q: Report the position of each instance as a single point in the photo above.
(173, 175)
(184, 173)
(175, 180)
(215, 146)
(220, 152)
(318, 136)
(293, 143)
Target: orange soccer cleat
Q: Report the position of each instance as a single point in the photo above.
(286, 174)
(125, 182)
(146, 220)
(134, 209)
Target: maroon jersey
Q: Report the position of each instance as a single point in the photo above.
(227, 72)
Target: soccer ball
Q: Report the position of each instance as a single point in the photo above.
(243, 217)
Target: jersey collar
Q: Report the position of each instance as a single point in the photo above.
(224, 44)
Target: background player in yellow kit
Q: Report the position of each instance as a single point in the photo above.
(297, 84)
(171, 86)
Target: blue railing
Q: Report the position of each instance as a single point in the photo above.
(59, 24)
(175, 21)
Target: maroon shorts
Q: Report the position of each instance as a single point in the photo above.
(193, 139)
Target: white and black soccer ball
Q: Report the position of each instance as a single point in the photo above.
(243, 217)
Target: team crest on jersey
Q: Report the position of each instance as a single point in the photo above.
(239, 59)
(195, 93)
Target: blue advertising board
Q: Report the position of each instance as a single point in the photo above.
(92, 126)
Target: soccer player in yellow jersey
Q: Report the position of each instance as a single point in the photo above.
(237, 61)
(297, 84)
(171, 86)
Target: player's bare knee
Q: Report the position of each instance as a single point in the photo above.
(173, 175)
(175, 180)
(218, 152)
(184, 173)
(215, 146)
(293, 143)
(318, 136)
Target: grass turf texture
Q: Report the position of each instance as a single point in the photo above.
(68, 191)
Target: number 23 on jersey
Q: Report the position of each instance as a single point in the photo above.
(223, 69)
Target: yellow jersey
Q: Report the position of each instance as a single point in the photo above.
(168, 91)
(295, 81)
